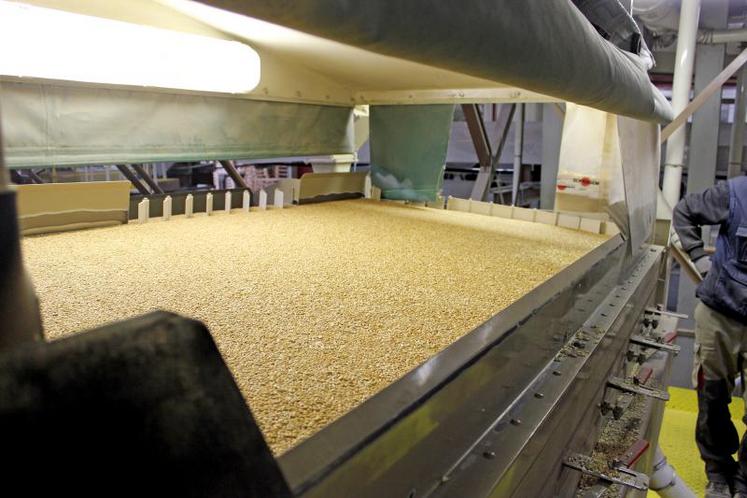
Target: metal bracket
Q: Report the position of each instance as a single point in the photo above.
(616, 474)
(634, 453)
(644, 373)
(650, 343)
(624, 385)
(665, 313)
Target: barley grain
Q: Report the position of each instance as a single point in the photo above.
(314, 308)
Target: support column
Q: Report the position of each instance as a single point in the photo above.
(684, 59)
(736, 143)
(34, 176)
(701, 171)
(518, 154)
(230, 168)
(133, 179)
(485, 176)
(145, 176)
(481, 142)
(476, 127)
(552, 130)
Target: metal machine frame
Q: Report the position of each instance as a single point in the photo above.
(495, 413)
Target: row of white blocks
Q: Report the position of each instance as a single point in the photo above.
(565, 220)
(143, 208)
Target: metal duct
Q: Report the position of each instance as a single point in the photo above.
(545, 47)
(715, 36)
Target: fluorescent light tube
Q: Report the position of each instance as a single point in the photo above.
(45, 43)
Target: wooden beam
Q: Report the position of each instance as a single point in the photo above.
(688, 268)
(700, 99)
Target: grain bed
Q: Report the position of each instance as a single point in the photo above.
(315, 308)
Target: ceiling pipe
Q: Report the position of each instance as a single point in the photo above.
(716, 36)
(683, 74)
(662, 17)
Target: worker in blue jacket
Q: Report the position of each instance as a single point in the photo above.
(720, 327)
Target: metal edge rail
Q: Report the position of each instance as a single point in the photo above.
(558, 412)
(313, 460)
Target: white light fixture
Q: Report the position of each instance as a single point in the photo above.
(45, 43)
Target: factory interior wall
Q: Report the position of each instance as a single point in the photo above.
(64, 124)
(589, 149)
(408, 150)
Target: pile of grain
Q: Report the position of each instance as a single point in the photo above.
(314, 308)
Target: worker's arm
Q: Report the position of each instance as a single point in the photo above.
(710, 207)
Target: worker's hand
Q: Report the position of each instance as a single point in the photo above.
(703, 264)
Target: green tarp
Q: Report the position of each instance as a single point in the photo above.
(48, 124)
(408, 150)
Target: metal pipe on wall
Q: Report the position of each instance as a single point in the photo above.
(736, 142)
(683, 74)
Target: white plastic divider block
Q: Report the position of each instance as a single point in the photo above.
(143, 211)
(246, 201)
(546, 217)
(611, 228)
(167, 208)
(590, 225)
(227, 207)
(457, 204)
(367, 187)
(375, 193)
(524, 214)
(569, 221)
(479, 207)
(501, 211)
(439, 203)
(209, 204)
(262, 199)
(189, 206)
(278, 198)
